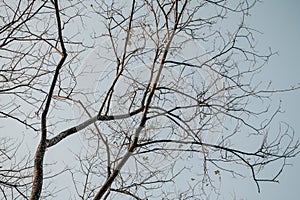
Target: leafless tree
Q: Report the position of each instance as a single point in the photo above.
(154, 89)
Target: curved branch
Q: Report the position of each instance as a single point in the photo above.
(40, 152)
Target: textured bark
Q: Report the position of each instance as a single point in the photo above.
(40, 152)
(38, 171)
(53, 141)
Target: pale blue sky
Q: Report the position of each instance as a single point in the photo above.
(279, 21)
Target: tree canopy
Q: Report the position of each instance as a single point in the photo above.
(134, 99)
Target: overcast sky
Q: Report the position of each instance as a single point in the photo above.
(278, 20)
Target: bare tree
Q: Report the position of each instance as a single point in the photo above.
(154, 90)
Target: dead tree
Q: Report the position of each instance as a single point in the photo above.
(156, 90)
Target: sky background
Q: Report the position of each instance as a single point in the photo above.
(279, 22)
